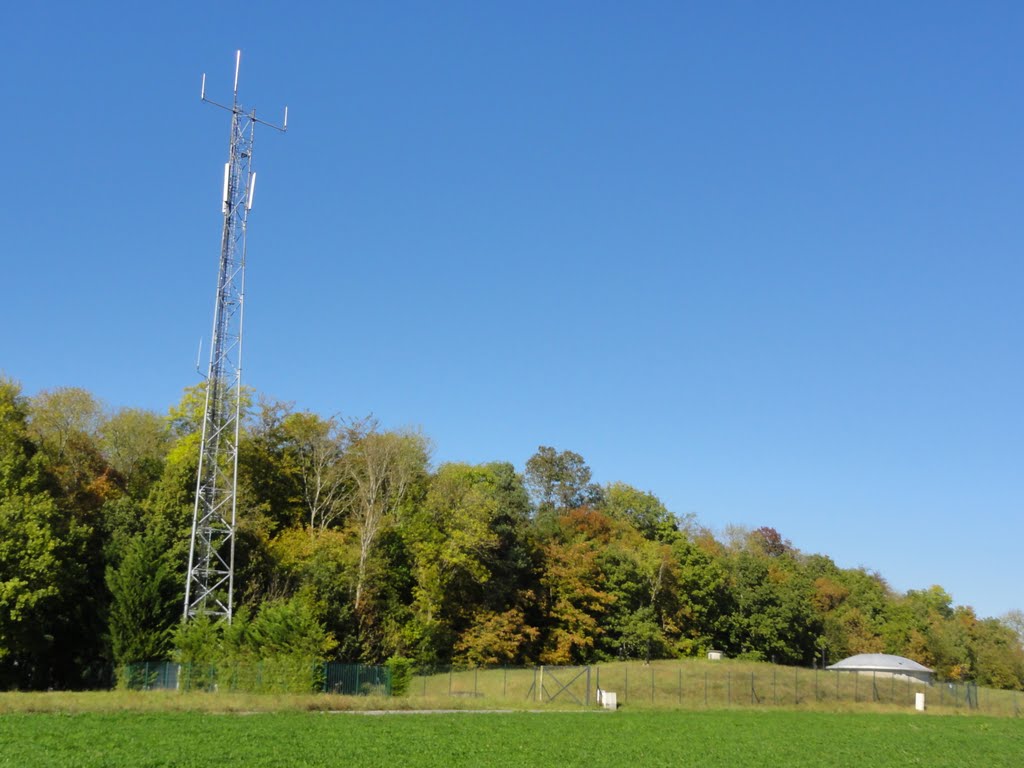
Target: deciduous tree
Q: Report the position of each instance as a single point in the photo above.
(381, 467)
(559, 479)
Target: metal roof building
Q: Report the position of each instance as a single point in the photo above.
(884, 663)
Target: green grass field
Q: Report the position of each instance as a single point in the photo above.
(708, 739)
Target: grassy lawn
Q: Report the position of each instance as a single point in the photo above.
(708, 739)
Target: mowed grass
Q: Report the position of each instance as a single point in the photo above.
(654, 738)
(699, 684)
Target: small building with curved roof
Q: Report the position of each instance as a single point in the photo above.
(884, 663)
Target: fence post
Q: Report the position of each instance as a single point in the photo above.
(586, 696)
(145, 676)
(751, 688)
(775, 693)
(625, 692)
(816, 697)
(705, 687)
(504, 684)
(796, 685)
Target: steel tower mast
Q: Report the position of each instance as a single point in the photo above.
(209, 584)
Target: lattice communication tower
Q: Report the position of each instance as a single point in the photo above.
(209, 584)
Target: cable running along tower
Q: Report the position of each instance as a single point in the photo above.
(209, 584)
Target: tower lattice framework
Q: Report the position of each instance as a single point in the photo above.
(209, 585)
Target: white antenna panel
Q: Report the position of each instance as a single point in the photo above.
(224, 198)
(252, 191)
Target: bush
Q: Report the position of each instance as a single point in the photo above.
(401, 670)
(279, 650)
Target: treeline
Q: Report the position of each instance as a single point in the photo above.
(351, 546)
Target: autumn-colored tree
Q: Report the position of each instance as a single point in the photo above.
(573, 587)
(495, 638)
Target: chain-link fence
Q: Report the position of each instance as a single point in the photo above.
(570, 685)
(269, 676)
(697, 685)
(660, 684)
(356, 679)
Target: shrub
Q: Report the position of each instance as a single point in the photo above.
(401, 670)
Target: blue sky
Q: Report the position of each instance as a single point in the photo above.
(763, 261)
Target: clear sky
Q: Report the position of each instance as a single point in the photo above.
(763, 259)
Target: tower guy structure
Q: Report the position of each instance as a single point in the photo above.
(209, 584)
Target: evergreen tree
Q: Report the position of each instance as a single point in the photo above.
(144, 601)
